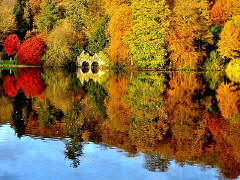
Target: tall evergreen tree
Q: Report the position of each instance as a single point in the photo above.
(23, 17)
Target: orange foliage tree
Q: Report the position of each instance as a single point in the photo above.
(188, 33)
(118, 28)
(218, 13)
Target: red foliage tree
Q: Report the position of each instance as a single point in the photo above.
(30, 81)
(31, 51)
(10, 86)
(11, 44)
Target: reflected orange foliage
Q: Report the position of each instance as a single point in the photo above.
(228, 96)
(117, 109)
(187, 115)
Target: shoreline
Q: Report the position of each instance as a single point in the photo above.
(18, 66)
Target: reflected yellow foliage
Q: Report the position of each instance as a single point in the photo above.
(6, 109)
(58, 89)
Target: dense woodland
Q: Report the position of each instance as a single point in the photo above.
(175, 34)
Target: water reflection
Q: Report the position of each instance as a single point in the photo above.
(191, 118)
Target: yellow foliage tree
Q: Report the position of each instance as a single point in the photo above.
(229, 44)
(7, 25)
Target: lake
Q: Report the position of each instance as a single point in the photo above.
(105, 125)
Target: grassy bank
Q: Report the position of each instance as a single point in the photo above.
(13, 63)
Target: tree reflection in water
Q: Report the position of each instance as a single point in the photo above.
(166, 116)
(22, 108)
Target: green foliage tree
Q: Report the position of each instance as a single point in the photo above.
(98, 40)
(48, 16)
(148, 116)
(76, 12)
(84, 13)
(147, 44)
(216, 30)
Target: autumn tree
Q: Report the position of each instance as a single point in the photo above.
(10, 86)
(218, 13)
(83, 14)
(231, 7)
(30, 81)
(229, 43)
(119, 27)
(60, 41)
(145, 97)
(117, 108)
(150, 22)
(232, 70)
(187, 114)
(7, 25)
(188, 34)
(35, 6)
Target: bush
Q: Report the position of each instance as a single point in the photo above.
(31, 51)
(11, 44)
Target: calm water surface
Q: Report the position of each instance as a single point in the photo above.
(110, 126)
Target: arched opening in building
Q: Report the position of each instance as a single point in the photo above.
(94, 67)
(85, 67)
